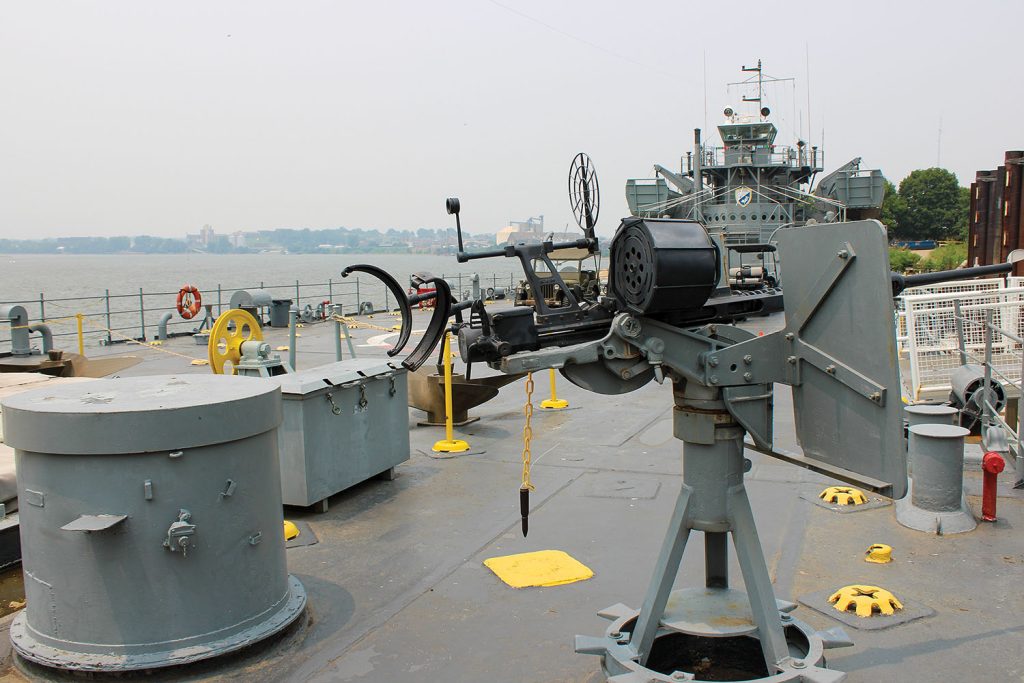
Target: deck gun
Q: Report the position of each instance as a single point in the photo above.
(661, 318)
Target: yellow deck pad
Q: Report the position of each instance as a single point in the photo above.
(540, 568)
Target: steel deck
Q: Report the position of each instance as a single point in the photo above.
(398, 592)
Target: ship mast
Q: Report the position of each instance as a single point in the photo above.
(760, 83)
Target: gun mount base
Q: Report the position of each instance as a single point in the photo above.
(657, 642)
(680, 656)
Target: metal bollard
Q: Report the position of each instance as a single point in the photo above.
(923, 414)
(935, 501)
(930, 414)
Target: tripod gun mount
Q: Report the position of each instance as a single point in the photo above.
(724, 379)
(723, 386)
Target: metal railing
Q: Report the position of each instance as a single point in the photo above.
(112, 318)
(990, 416)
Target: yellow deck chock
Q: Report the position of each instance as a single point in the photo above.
(843, 495)
(540, 568)
(290, 530)
(865, 600)
(879, 553)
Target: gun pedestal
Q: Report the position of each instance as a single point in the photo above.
(646, 645)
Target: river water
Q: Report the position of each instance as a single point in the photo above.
(23, 278)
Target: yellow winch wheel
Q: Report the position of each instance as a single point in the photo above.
(232, 329)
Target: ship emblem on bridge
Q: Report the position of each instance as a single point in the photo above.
(743, 195)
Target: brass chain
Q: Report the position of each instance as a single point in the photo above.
(360, 325)
(527, 432)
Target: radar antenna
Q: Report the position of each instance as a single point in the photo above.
(584, 193)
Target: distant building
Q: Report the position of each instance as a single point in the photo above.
(530, 230)
(204, 239)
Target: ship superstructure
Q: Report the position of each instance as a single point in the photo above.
(749, 187)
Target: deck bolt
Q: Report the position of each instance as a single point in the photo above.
(790, 336)
(791, 360)
(876, 396)
(615, 634)
(786, 618)
(713, 361)
(748, 359)
(843, 254)
(798, 664)
(714, 379)
(748, 376)
(831, 369)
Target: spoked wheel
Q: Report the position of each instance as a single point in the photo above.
(231, 330)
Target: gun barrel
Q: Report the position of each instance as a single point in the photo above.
(510, 250)
(901, 282)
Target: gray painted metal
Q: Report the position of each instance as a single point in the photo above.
(967, 385)
(17, 316)
(161, 327)
(343, 423)
(152, 529)
(138, 415)
(841, 385)
(250, 298)
(936, 502)
(723, 388)
(930, 414)
(712, 499)
(844, 342)
(938, 455)
(293, 323)
(279, 312)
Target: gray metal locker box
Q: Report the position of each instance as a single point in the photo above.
(343, 423)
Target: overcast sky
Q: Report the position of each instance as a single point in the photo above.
(129, 117)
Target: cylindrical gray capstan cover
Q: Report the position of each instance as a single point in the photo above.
(151, 521)
(937, 453)
(924, 414)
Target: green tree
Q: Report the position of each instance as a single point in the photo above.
(933, 205)
(892, 205)
(902, 260)
(946, 257)
(964, 210)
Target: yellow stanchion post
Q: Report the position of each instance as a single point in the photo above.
(553, 403)
(81, 338)
(449, 444)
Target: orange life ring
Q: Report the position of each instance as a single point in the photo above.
(190, 301)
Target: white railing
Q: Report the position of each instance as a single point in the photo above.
(966, 287)
(933, 337)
